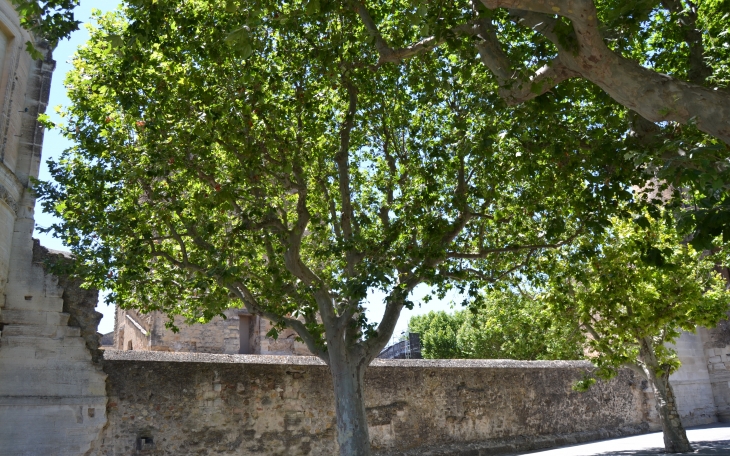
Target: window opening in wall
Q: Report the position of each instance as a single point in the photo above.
(145, 443)
(129, 345)
(244, 334)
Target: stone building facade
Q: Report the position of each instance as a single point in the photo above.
(238, 333)
(52, 387)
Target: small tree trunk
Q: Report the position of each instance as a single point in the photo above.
(352, 426)
(675, 437)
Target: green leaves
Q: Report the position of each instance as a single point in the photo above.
(643, 283)
(240, 40)
(52, 20)
(498, 325)
(259, 157)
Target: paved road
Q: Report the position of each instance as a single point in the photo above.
(707, 440)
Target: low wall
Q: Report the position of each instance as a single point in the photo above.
(181, 403)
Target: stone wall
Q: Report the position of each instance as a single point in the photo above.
(24, 89)
(179, 403)
(716, 344)
(52, 394)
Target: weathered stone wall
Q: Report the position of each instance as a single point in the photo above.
(717, 352)
(24, 88)
(132, 330)
(52, 394)
(179, 403)
(691, 383)
(285, 343)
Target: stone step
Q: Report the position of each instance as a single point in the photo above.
(34, 317)
(37, 302)
(42, 343)
(50, 331)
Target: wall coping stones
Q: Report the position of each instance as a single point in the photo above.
(159, 356)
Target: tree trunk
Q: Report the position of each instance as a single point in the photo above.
(352, 426)
(675, 437)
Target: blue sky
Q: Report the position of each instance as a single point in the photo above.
(54, 144)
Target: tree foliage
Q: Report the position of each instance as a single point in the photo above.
(256, 155)
(633, 292)
(641, 281)
(180, 128)
(531, 46)
(499, 325)
(52, 20)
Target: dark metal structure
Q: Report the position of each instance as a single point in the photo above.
(405, 349)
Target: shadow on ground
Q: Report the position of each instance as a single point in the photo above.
(715, 448)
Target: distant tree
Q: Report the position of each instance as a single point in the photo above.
(438, 333)
(633, 291)
(498, 325)
(228, 156)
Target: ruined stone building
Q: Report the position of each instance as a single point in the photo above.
(62, 396)
(238, 333)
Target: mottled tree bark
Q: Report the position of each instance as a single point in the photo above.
(655, 96)
(348, 376)
(675, 437)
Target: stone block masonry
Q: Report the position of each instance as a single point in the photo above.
(52, 393)
(185, 403)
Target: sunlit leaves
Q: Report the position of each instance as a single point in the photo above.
(208, 160)
(498, 325)
(642, 281)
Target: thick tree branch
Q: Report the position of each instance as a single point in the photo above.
(393, 307)
(541, 23)
(332, 209)
(516, 89)
(655, 96)
(343, 170)
(575, 10)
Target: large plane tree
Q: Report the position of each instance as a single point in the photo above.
(231, 157)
